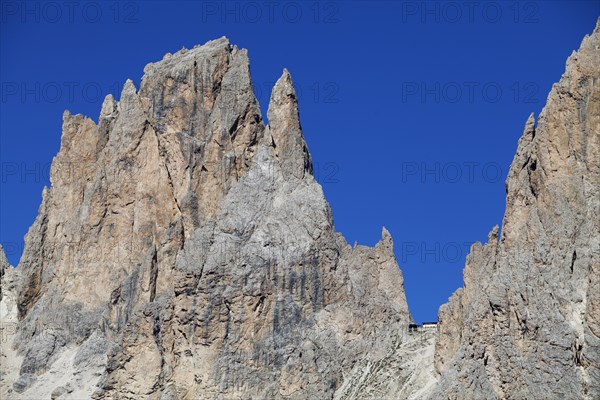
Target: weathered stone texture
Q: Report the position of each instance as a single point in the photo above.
(527, 322)
(191, 245)
(185, 250)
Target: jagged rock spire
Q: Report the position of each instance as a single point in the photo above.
(3, 266)
(193, 241)
(285, 129)
(527, 323)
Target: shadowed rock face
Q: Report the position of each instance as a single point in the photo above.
(190, 246)
(527, 322)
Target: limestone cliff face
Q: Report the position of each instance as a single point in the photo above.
(527, 322)
(9, 276)
(186, 251)
(4, 268)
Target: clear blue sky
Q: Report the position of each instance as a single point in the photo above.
(412, 110)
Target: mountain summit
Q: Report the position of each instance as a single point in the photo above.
(184, 250)
(527, 322)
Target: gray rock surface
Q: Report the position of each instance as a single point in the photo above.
(8, 276)
(3, 266)
(24, 382)
(9, 382)
(526, 325)
(186, 249)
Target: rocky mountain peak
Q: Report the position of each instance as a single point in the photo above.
(285, 130)
(185, 250)
(5, 271)
(526, 322)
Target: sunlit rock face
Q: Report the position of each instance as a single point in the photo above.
(185, 250)
(526, 325)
